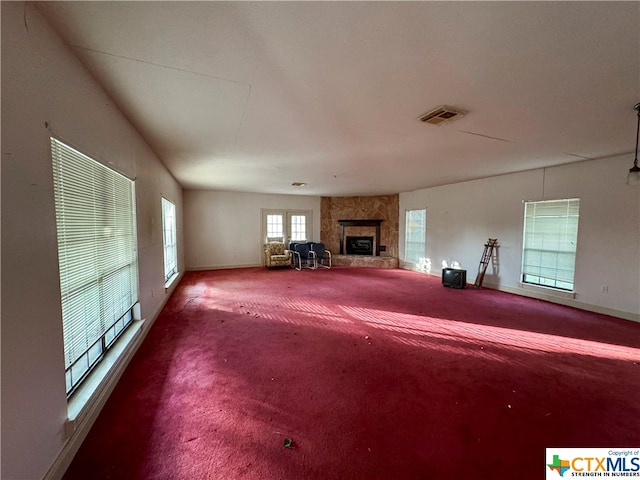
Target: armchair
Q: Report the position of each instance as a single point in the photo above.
(275, 255)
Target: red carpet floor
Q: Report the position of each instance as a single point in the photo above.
(373, 374)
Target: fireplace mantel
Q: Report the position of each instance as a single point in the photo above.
(360, 223)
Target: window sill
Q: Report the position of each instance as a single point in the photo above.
(172, 279)
(547, 290)
(94, 385)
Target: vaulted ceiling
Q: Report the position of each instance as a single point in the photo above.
(253, 96)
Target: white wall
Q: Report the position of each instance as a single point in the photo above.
(46, 91)
(461, 217)
(224, 229)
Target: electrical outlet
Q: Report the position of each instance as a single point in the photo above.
(605, 288)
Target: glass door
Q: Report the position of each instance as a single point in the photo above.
(298, 227)
(286, 225)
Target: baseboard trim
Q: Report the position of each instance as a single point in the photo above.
(223, 267)
(413, 267)
(566, 300)
(77, 429)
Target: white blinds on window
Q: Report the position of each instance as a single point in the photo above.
(550, 240)
(95, 216)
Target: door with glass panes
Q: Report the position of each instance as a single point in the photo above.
(286, 226)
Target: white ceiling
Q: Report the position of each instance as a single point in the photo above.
(252, 96)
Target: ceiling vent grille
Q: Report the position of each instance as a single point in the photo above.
(442, 115)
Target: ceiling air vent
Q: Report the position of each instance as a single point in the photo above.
(442, 115)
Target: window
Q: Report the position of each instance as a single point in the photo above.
(286, 225)
(549, 243)
(95, 219)
(415, 235)
(275, 228)
(169, 239)
(298, 227)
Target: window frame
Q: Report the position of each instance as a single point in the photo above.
(169, 239)
(553, 242)
(273, 224)
(96, 233)
(409, 233)
(287, 217)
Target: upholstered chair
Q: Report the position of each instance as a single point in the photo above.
(275, 255)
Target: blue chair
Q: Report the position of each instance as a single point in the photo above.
(294, 256)
(322, 256)
(303, 256)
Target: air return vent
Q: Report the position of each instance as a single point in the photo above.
(442, 115)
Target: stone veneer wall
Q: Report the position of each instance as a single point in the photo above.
(380, 207)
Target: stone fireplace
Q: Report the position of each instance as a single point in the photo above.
(372, 216)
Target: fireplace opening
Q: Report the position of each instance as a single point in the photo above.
(359, 245)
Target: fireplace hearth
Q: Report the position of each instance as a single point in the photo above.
(359, 245)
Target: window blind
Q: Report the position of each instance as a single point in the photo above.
(95, 218)
(550, 241)
(169, 239)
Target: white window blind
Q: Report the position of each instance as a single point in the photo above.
(550, 241)
(415, 235)
(95, 217)
(169, 239)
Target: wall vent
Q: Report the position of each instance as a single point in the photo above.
(442, 115)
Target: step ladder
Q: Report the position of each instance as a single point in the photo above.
(487, 255)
